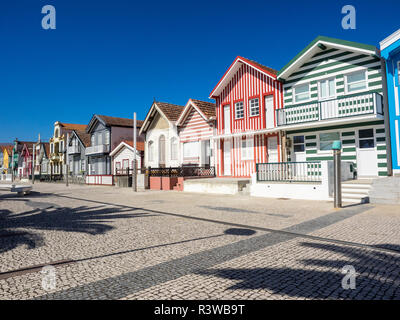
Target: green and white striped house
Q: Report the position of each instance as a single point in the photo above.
(333, 91)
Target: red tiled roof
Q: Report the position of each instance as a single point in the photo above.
(207, 108)
(120, 122)
(171, 111)
(261, 66)
(139, 144)
(84, 137)
(72, 126)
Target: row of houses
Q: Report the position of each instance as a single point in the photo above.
(331, 90)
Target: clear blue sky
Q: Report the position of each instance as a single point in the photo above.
(113, 57)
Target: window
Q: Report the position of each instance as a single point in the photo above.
(239, 110)
(117, 166)
(51, 148)
(298, 143)
(107, 137)
(398, 72)
(247, 149)
(83, 165)
(327, 88)
(366, 138)
(125, 164)
(61, 146)
(254, 107)
(191, 149)
(326, 140)
(56, 133)
(356, 81)
(302, 92)
(151, 150)
(93, 139)
(174, 149)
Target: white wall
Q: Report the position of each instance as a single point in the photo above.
(125, 153)
(154, 135)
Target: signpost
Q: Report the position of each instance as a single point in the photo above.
(337, 189)
(33, 163)
(67, 160)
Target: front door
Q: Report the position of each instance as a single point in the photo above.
(367, 162)
(227, 119)
(206, 152)
(269, 111)
(227, 158)
(272, 149)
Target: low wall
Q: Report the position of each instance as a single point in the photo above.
(204, 186)
(105, 180)
(5, 177)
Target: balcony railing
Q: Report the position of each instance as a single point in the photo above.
(185, 171)
(99, 149)
(74, 149)
(348, 106)
(309, 171)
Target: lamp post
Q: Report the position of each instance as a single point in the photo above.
(134, 173)
(337, 189)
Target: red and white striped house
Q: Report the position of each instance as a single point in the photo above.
(196, 127)
(247, 97)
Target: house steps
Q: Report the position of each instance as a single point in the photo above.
(356, 191)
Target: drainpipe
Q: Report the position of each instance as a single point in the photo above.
(386, 118)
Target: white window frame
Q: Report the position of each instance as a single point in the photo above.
(236, 109)
(295, 95)
(191, 149)
(299, 143)
(174, 149)
(346, 82)
(326, 82)
(247, 148)
(319, 141)
(150, 148)
(398, 73)
(251, 108)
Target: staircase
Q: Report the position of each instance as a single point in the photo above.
(356, 191)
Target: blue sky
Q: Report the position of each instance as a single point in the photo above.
(114, 57)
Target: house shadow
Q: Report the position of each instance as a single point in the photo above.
(21, 228)
(377, 275)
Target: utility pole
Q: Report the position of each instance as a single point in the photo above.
(134, 173)
(33, 163)
(67, 160)
(337, 188)
(12, 165)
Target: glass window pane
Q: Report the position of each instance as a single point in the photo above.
(298, 139)
(366, 133)
(302, 88)
(358, 76)
(356, 86)
(366, 143)
(298, 147)
(330, 136)
(325, 145)
(331, 87)
(323, 89)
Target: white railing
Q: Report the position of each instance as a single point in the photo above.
(99, 149)
(309, 171)
(74, 149)
(347, 106)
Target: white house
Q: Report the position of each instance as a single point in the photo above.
(161, 135)
(123, 156)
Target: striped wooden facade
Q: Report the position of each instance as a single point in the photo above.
(247, 82)
(334, 63)
(195, 128)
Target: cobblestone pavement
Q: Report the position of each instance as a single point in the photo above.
(110, 243)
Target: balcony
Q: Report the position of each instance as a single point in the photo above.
(99, 149)
(74, 149)
(334, 109)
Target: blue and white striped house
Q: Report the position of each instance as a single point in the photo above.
(390, 51)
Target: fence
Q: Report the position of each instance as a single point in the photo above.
(184, 171)
(289, 171)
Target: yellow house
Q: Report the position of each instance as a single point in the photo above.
(58, 145)
(7, 154)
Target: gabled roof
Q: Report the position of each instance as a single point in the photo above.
(83, 137)
(128, 144)
(237, 63)
(169, 111)
(320, 44)
(206, 109)
(8, 148)
(72, 126)
(112, 122)
(389, 41)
